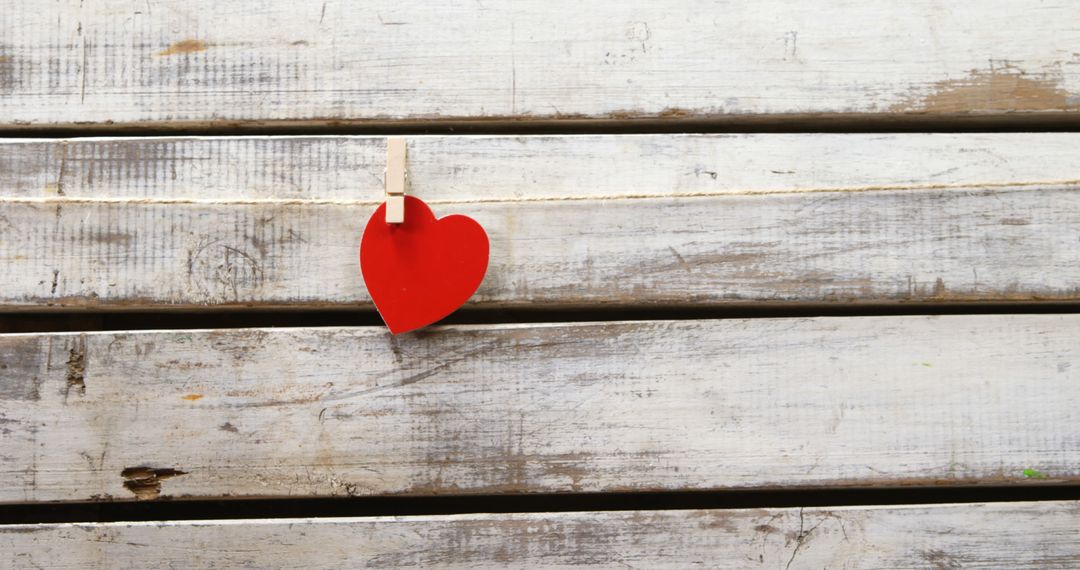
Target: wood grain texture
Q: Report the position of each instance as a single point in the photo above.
(586, 407)
(574, 221)
(987, 535)
(199, 62)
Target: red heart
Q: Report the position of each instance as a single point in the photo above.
(424, 269)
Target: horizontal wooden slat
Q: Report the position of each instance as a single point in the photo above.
(574, 220)
(200, 62)
(588, 407)
(988, 535)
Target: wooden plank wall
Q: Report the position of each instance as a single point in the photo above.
(654, 212)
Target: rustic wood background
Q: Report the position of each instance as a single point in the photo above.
(886, 195)
(139, 63)
(941, 536)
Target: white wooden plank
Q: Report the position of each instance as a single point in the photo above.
(484, 168)
(588, 407)
(661, 219)
(198, 62)
(986, 535)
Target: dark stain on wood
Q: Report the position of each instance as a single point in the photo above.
(24, 529)
(119, 238)
(939, 288)
(76, 368)
(993, 91)
(633, 114)
(185, 46)
(7, 74)
(20, 377)
(940, 560)
(716, 520)
(145, 482)
(177, 364)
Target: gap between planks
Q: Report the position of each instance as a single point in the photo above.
(67, 319)
(731, 124)
(310, 507)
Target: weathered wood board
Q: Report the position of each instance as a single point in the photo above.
(589, 407)
(452, 169)
(204, 62)
(575, 221)
(986, 535)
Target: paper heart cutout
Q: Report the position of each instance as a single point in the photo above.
(420, 271)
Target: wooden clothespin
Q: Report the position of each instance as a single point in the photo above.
(395, 180)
